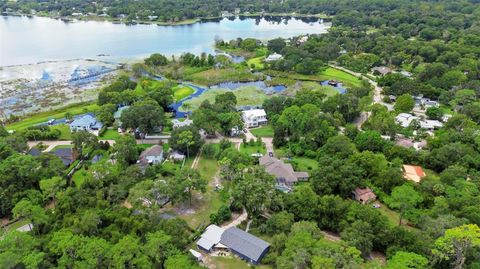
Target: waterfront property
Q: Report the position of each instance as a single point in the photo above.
(86, 122)
(254, 118)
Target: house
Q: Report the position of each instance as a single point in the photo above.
(283, 172)
(152, 155)
(247, 246)
(381, 70)
(273, 57)
(254, 118)
(210, 238)
(404, 119)
(413, 172)
(65, 154)
(364, 196)
(87, 122)
(179, 124)
(177, 156)
(431, 124)
(34, 152)
(410, 143)
(119, 112)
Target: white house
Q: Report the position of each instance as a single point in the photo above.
(86, 122)
(273, 57)
(152, 155)
(404, 119)
(178, 124)
(254, 118)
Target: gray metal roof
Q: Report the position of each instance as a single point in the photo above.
(244, 243)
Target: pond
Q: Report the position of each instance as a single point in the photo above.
(225, 85)
(334, 84)
(30, 40)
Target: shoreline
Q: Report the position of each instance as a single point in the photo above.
(87, 18)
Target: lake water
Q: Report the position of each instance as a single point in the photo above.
(30, 40)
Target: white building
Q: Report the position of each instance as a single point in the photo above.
(178, 124)
(273, 57)
(254, 118)
(404, 119)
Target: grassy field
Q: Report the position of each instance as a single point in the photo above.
(315, 86)
(257, 61)
(181, 91)
(346, 78)
(328, 74)
(61, 147)
(304, 164)
(65, 129)
(214, 76)
(249, 95)
(110, 134)
(53, 114)
(229, 262)
(246, 148)
(79, 177)
(210, 201)
(264, 131)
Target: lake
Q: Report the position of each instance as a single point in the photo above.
(31, 40)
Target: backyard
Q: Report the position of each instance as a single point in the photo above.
(264, 131)
(229, 262)
(252, 149)
(53, 114)
(248, 95)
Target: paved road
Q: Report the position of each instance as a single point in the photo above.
(377, 96)
(51, 144)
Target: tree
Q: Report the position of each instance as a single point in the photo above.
(302, 203)
(276, 45)
(3, 131)
(404, 198)
(180, 187)
(180, 261)
(434, 113)
(456, 243)
(186, 139)
(105, 113)
(125, 150)
(407, 260)
(370, 140)
(360, 235)
(51, 186)
(156, 59)
(84, 142)
(127, 253)
(279, 223)
(249, 184)
(26, 209)
(146, 116)
(404, 103)
(158, 247)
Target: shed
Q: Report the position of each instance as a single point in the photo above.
(247, 246)
(364, 196)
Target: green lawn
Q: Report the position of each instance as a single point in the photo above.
(79, 177)
(215, 76)
(41, 117)
(264, 131)
(392, 216)
(304, 164)
(229, 262)
(249, 95)
(315, 86)
(182, 91)
(246, 148)
(329, 73)
(257, 61)
(210, 201)
(61, 147)
(65, 131)
(110, 134)
(13, 226)
(346, 78)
